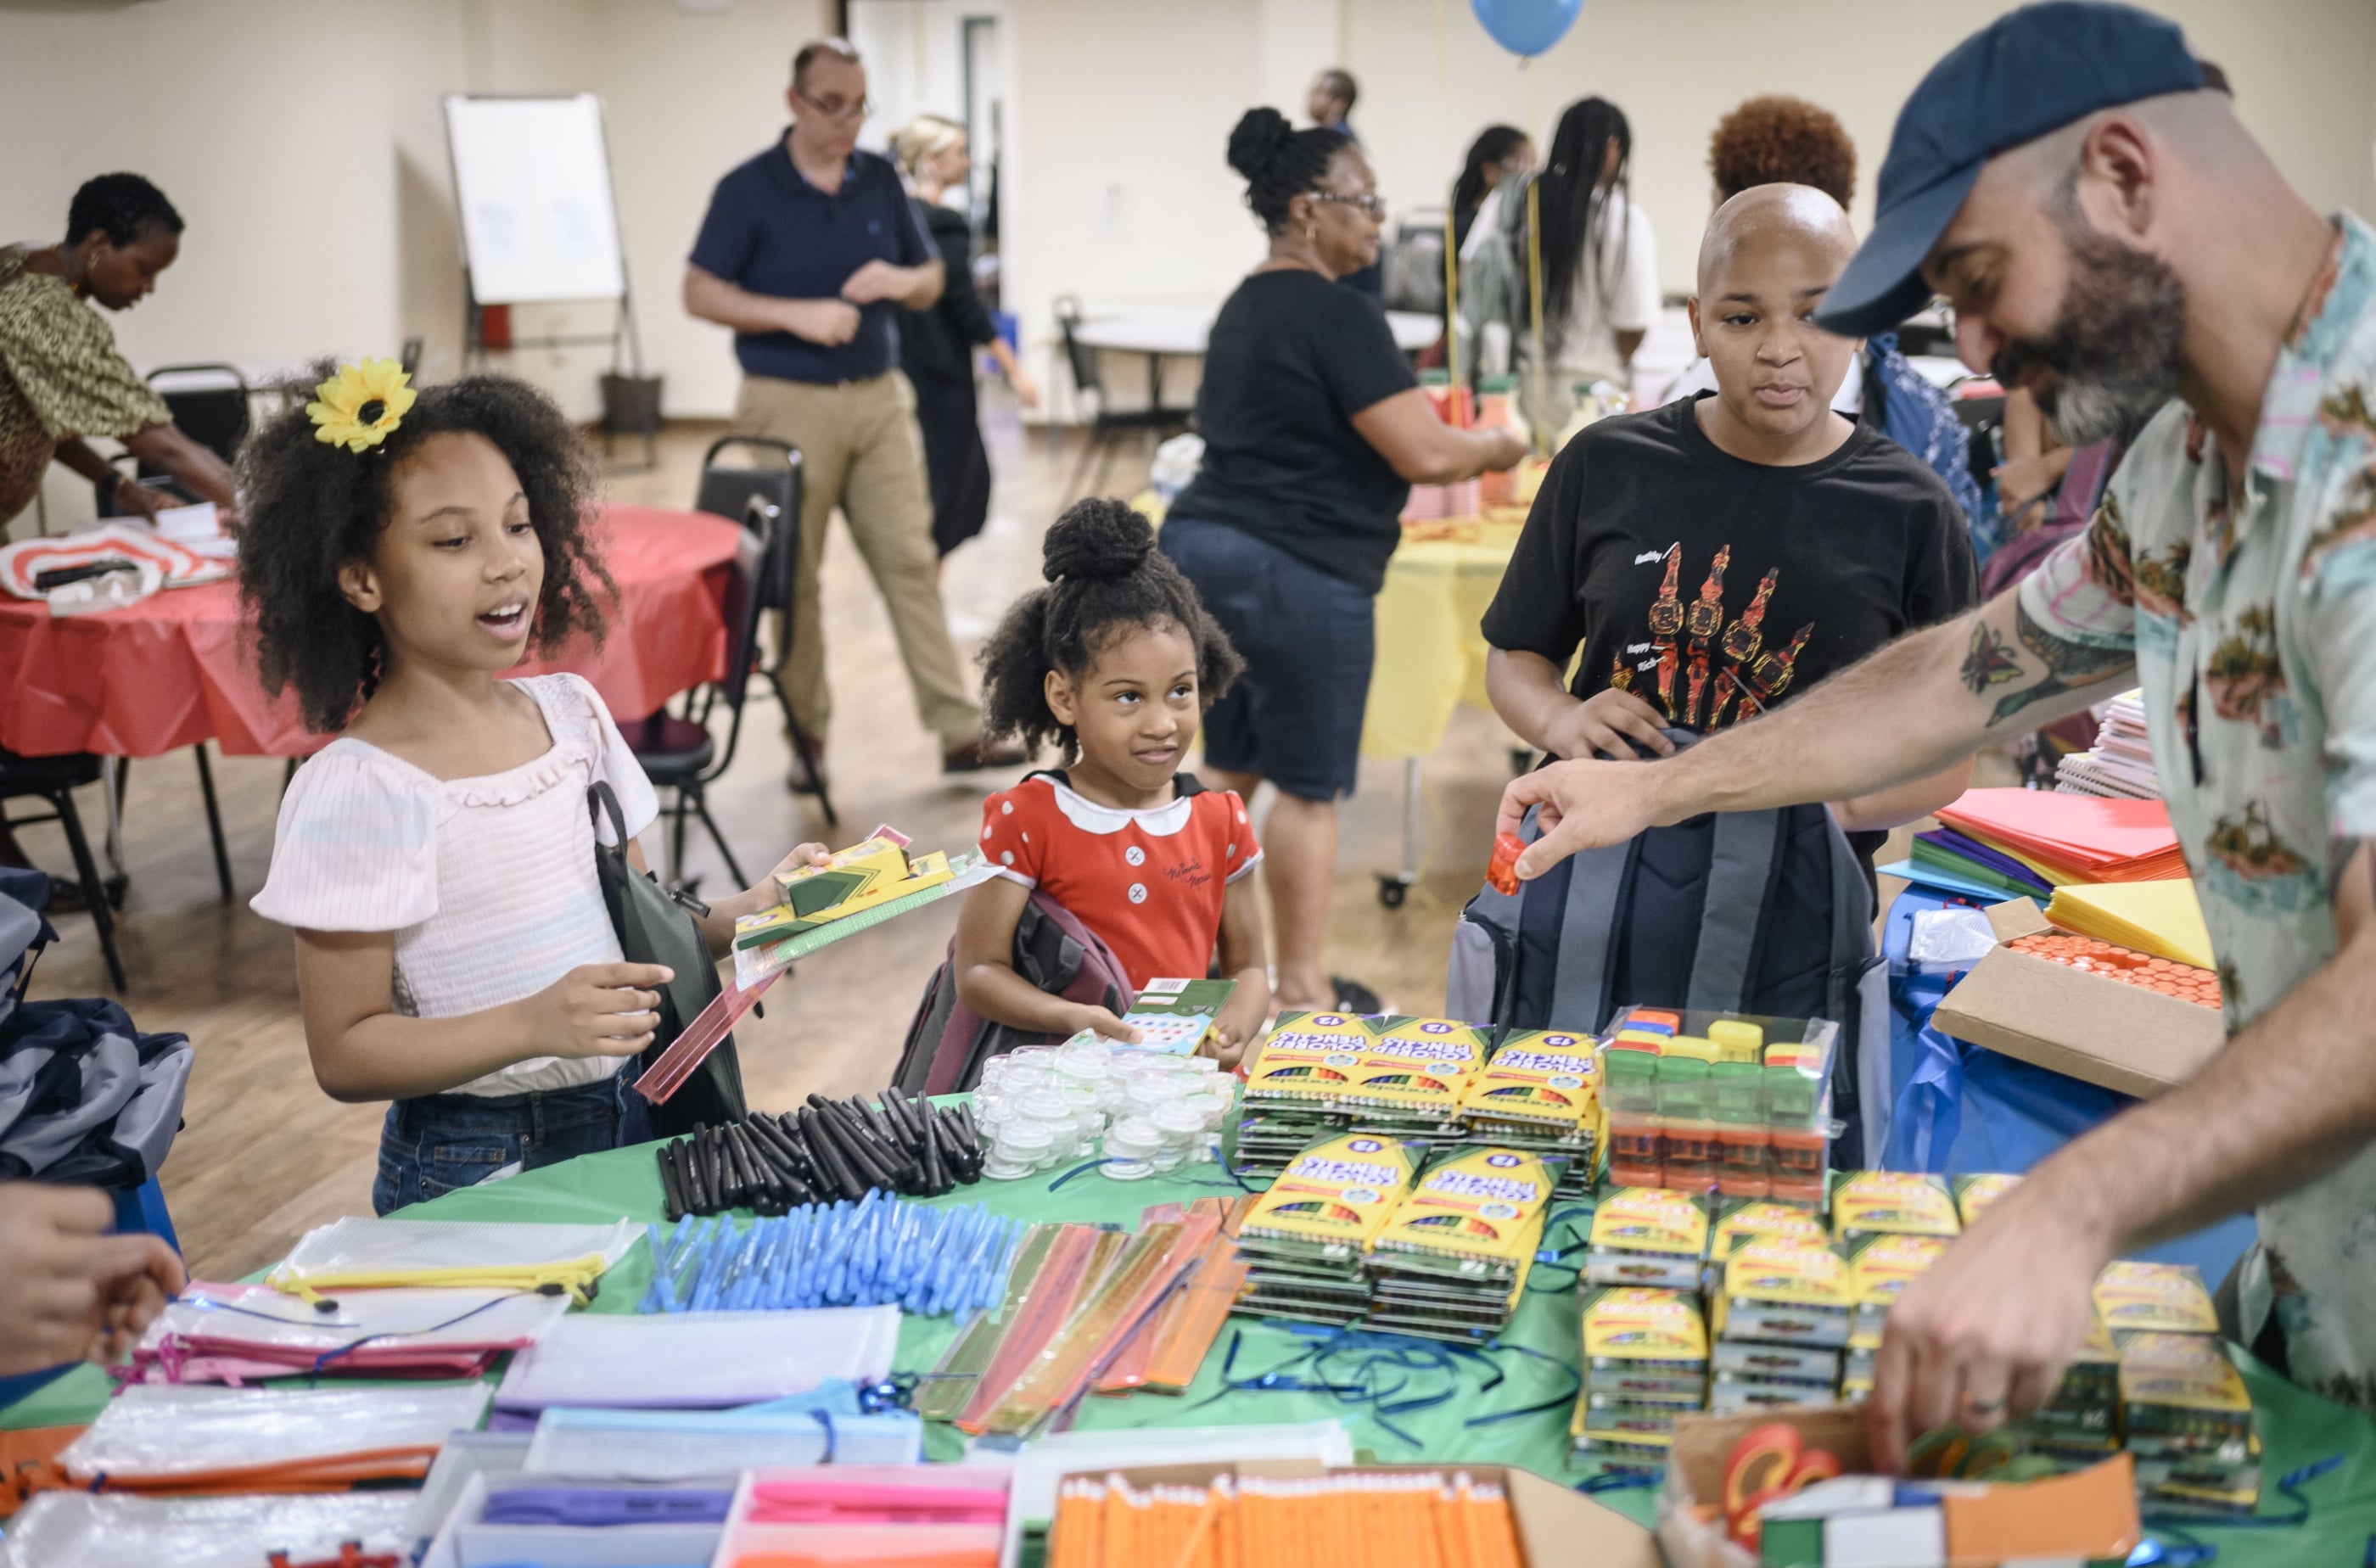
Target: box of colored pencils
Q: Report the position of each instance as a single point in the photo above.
(1256, 1515)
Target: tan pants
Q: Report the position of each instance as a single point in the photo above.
(860, 450)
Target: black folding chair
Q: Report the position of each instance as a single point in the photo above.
(679, 753)
(210, 405)
(54, 780)
(1109, 425)
(779, 481)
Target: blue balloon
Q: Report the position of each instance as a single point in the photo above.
(1527, 26)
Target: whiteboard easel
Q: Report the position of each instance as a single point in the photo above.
(539, 218)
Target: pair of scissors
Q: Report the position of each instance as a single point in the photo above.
(1769, 1463)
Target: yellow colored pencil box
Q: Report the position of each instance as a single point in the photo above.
(1487, 1205)
(1338, 1193)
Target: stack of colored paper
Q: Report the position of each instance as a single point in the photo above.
(2160, 918)
(2069, 839)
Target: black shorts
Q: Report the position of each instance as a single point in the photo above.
(1307, 638)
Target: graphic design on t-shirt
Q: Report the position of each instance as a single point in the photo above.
(1728, 673)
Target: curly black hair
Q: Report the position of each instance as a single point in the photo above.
(1779, 140)
(311, 509)
(119, 206)
(1106, 579)
(1279, 161)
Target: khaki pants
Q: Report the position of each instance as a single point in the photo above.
(860, 450)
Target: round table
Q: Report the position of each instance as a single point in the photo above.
(175, 669)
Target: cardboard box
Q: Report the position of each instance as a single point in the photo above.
(2088, 1516)
(2102, 1031)
(1556, 1526)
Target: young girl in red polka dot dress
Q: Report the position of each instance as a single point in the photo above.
(1114, 663)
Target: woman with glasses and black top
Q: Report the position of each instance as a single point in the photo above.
(1315, 431)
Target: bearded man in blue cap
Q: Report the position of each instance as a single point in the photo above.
(2113, 241)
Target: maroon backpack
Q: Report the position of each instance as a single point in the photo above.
(947, 1041)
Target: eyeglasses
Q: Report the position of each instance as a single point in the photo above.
(1368, 202)
(836, 109)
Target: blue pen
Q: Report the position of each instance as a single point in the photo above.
(958, 1239)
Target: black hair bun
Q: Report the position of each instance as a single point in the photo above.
(1096, 541)
(1260, 135)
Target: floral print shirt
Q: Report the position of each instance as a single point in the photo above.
(2251, 606)
(60, 376)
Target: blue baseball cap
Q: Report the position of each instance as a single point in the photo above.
(2029, 72)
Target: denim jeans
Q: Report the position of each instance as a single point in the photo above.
(1307, 638)
(441, 1143)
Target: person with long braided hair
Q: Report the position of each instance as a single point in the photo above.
(1599, 266)
(1315, 431)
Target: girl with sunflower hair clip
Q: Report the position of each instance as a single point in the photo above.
(403, 549)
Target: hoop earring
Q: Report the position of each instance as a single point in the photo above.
(1311, 233)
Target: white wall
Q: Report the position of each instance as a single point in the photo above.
(2300, 68)
(304, 146)
(300, 143)
(1125, 105)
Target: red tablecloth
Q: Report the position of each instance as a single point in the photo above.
(173, 669)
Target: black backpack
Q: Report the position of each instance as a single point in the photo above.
(1762, 912)
(654, 927)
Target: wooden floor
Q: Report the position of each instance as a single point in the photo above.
(265, 1154)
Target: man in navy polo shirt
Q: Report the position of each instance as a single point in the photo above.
(808, 252)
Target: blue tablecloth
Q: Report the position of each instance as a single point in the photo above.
(1960, 1107)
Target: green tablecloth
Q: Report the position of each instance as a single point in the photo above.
(2296, 1428)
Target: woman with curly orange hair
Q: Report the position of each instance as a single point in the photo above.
(1781, 140)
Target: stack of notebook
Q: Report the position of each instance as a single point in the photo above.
(2120, 763)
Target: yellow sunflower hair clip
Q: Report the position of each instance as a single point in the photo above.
(361, 404)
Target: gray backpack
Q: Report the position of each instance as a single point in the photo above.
(1761, 912)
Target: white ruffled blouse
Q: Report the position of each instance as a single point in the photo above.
(488, 883)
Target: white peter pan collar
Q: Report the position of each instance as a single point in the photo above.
(1161, 821)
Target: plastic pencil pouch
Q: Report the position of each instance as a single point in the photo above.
(1892, 1202)
(150, 1434)
(98, 1530)
(1540, 1075)
(1745, 1220)
(1975, 1193)
(351, 1253)
(2167, 1297)
(1647, 1236)
(1879, 1269)
(1788, 1292)
(1482, 1212)
(1332, 1199)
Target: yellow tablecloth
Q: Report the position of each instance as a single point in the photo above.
(1430, 656)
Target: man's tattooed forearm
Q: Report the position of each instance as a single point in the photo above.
(1988, 661)
(2068, 665)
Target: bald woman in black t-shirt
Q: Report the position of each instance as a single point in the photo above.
(1711, 557)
